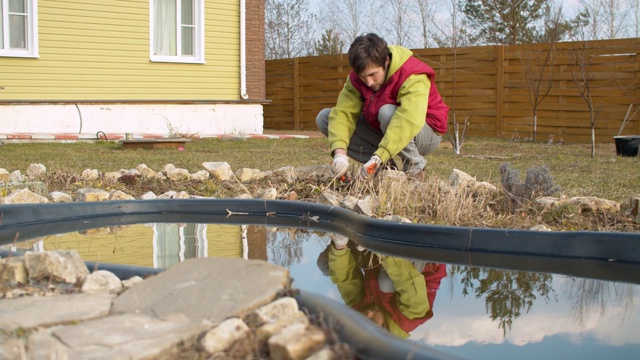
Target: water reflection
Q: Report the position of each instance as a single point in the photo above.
(477, 313)
(507, 294)
(396, 294)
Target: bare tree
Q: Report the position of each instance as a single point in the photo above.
(635, 10)
(453, 35)
(399, 21)
(426, 12)
(538, 61)
(582, 75)
(614, 20)
(289, 28)
(344, 16)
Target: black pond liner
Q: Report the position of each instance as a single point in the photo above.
(599, 255)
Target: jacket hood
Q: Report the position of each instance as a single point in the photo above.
(399, 55)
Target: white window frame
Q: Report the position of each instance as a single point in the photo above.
(31, 35)
(198, 57)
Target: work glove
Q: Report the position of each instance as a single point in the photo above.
(339, 241)
(340, 165)
(370, 167)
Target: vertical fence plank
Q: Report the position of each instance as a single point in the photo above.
(500, 85)
(296, 94)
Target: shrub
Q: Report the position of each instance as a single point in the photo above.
(538, 182)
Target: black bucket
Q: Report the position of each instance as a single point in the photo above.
(627, 145)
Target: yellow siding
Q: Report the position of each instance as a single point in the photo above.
(92, 50)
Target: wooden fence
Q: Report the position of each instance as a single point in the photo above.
(491, 89)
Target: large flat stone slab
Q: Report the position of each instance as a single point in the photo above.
(210, 289)
(37, 311)
(126, 336)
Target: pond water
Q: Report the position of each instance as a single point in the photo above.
(474, 312)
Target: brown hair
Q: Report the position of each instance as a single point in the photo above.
(366, 50)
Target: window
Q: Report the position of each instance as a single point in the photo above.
(18, 28)
(177, 30)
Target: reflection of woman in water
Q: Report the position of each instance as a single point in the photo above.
(395, 293)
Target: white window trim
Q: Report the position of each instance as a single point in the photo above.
(32, 32)
(199, 42)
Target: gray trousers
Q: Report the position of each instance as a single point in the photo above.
(365, 140)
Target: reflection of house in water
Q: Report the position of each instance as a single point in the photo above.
(159, 244)
(174, 243)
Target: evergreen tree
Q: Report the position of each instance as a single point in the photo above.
(329, 43)
(506, 21)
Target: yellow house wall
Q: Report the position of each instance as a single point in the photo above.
(99, 51)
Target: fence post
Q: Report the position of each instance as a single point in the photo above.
(499, 90)
(296, 94)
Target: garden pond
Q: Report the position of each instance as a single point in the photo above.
(480, 309)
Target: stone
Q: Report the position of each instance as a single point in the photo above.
(324, 354)
(248, 175)
(132, 172)
(486, 186)
(267, 330)
(272, 312)
(36, 171)
(101, 280)
(112, 177)
(16, 177)
(89, 175)
(460, 178)
(29, 312)
(296, 342)
(168, 167)
(328, 198)
(13, 271)
(366, 206)
(178, 174)
(146, 172)
(219, 170)
(547, 200)
(4, 175)
(90, 195)
(349, 202)
(182, 195)
(224, 335)
(291, 195)
(24, 196)
(149, 195)
(244, 196)
(540, 227)
(168, 195)
(119, 195)
(59, 197)
(267, 194)
(131, 281)
(591, 204)
(182, 288)
(201, 175)
(287, 173)
(126, 336)
(59, 265)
